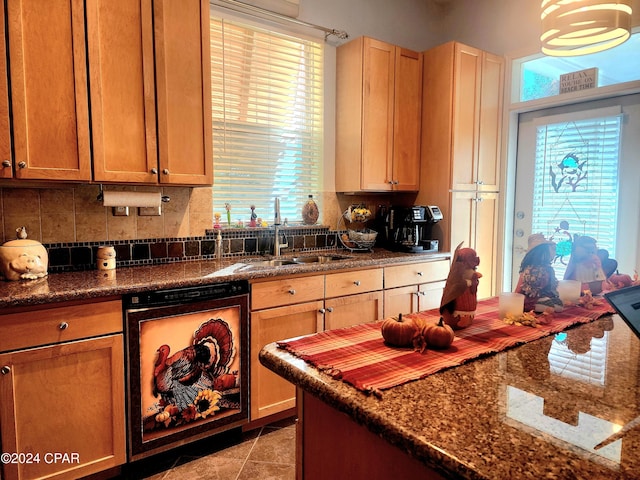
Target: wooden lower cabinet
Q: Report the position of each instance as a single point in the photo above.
(414, 287)
(271, 393)
(294, 306)
(63, 409)
(352, 310)
(413, 298)
(62, 402)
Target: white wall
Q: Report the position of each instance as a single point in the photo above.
(498, 26)
(414, 24)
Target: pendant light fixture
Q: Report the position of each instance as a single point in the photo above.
(580, 27)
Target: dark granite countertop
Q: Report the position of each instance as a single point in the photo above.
(535, 411)
(94, 284)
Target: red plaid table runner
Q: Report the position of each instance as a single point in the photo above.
(359, 356)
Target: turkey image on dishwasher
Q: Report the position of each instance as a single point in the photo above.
(187, 366)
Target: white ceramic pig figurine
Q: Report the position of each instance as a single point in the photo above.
(23, 259)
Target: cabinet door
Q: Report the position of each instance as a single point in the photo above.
(486, 239)
(352, 310)
(400, 300)
(474, 222)
(49, 89)
(490, 122)
(66, 398)
(183, 89)
(463, 219)
(430, 295)
(466, 104)
(120, 42)
(407, 120)
(6, 170)
(377, 115)
(271, 393)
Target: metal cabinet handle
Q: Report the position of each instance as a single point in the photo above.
(322, 310)
(22, 164)
(419, 274)
(292, 291)
(165, 171)
(357, 283)
(329, 309)
(63, 326)
(154, 171)
(6, 163)
(5, 370)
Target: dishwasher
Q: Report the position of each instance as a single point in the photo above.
(187, 364)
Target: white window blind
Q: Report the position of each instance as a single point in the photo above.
(576, 183)
(267, 98)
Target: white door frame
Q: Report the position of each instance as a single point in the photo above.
(509, 149)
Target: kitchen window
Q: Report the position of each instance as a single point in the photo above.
(267, 99)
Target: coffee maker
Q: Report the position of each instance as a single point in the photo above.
(408, 229)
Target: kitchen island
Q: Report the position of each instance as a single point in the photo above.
(534, 411)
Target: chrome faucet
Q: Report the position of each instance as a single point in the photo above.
(277, 243)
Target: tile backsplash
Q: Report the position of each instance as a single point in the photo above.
(71, 222)
(235, 242)
(74, 214)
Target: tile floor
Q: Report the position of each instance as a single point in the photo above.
(267, 453)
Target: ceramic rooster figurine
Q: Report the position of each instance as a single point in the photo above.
(459, 300)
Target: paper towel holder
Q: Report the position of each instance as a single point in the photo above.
(100, 197)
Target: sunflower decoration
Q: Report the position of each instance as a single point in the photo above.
(206, 403)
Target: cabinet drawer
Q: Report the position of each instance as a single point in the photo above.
(286, 292)
(33, 327)
(348, 283)
(414, 273)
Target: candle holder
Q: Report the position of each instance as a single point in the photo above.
(510, 304)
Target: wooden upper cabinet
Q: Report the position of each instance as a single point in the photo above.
(490, 119)
(378, 115)
(121, 69)
(183, 91)
(477, 119)
(407, 120)
(5, 133)
(49, 89)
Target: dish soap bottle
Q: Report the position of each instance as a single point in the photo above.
(310, 212)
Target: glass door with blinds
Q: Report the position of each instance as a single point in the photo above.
(578, 174)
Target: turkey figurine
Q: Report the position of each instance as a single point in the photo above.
(459, 298)
(180, 377)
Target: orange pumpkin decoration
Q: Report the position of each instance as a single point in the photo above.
(398, 331)
(438, 335)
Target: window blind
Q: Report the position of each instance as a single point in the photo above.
(576, 183)
(267, 102)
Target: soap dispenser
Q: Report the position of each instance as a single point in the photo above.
(219, 246)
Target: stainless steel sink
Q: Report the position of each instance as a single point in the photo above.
(319, 259)
(275, 262)
(303, 260)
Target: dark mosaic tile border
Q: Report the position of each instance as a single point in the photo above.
(77, 256)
